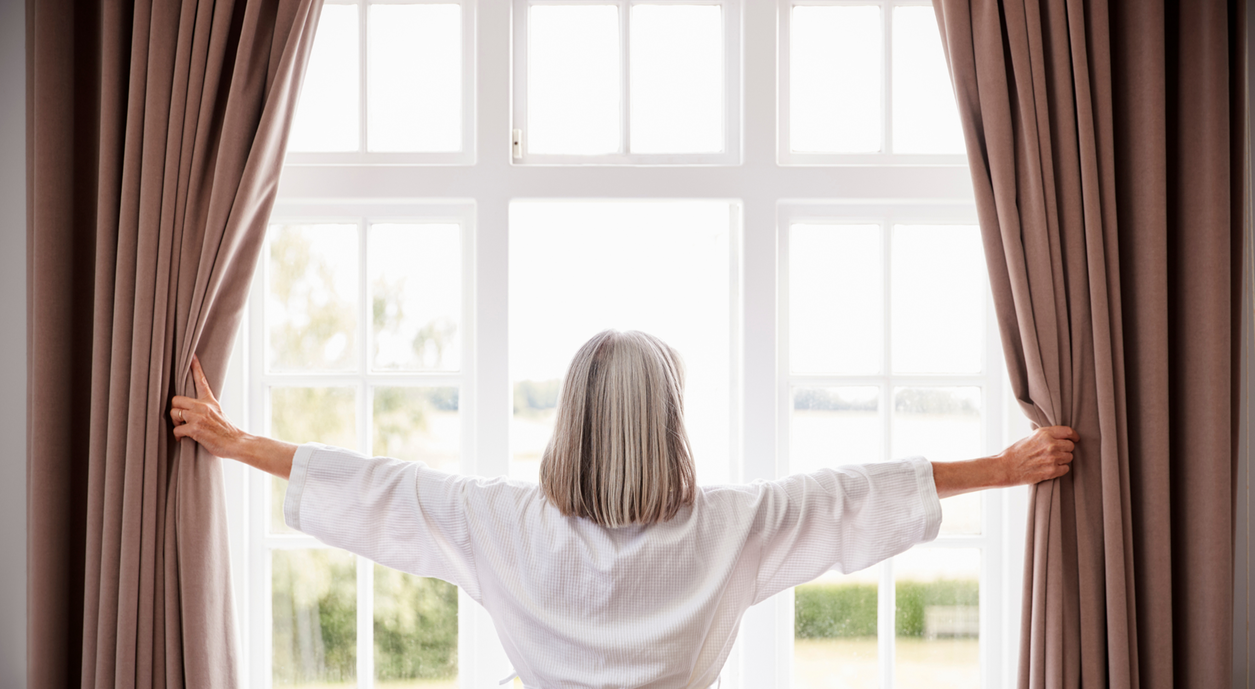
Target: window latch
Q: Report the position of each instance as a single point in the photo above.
(516, 144)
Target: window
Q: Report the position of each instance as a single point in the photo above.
(626, 82)
(910, 367)
(864, 81)
(456, 217)
(389, 82)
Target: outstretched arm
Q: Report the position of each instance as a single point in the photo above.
(1043, 455)
(202, 420)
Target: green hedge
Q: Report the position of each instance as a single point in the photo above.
(825, 611)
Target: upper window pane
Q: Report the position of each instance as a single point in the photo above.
(415, 281)
(414, 100)
(573, 79)
(925, 119)
(835, 79)
(311, 298)
(831, 427)
(327, 115)
(676, 79)
(942, 424)
(836, 307)
(939, 293)
(579, 268)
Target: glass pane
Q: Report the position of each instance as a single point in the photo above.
(304, 415)
(415, 276)
(836, 303)
(942, 424)
(938, 618)
(416, 631)
(418, 424)
(327, 114)
(925, 118)
(834, 631)
(579, 268)
(677, 79)
(573, 79)
(311, 298)
(835, 79)
(414, 80)
(940, 286)
(314, 618)
(832, 427)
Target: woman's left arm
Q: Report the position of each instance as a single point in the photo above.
(202, 420)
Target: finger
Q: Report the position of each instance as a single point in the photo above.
(181, 402)
(1065, 445)
(1065, 458)
(1060, 432)
(202, 383)
(1063, 469)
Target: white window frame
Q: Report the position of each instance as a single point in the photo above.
(997, 638)
(465, 156)
(330, 186)
(886, 156)
(731, 153)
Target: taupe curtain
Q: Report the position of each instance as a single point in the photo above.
(155, 136)
(1106, 143)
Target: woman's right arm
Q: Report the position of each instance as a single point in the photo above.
(202, 420)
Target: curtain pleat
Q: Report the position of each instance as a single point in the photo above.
(1105, 141)
(158, 132)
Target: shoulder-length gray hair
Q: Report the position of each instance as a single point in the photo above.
(619, 453)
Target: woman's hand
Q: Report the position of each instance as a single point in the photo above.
(202, 420)
(1043, 455)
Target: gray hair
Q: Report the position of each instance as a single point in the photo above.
(619, 452)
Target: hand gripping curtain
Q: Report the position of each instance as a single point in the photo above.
(155, 136)
(1106, 143)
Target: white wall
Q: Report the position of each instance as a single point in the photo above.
(13, 343)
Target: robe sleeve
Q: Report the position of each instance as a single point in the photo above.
(401, 514)
(842, 519)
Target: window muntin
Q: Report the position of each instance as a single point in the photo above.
(613, 83)
(864, 82)
(389, 82)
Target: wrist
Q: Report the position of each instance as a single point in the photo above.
(1000, 471)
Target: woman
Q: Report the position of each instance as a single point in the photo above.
(617, 570)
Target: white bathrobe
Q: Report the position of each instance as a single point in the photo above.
(581, 606)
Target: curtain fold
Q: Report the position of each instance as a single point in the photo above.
(1106, 144)
(156, 133)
